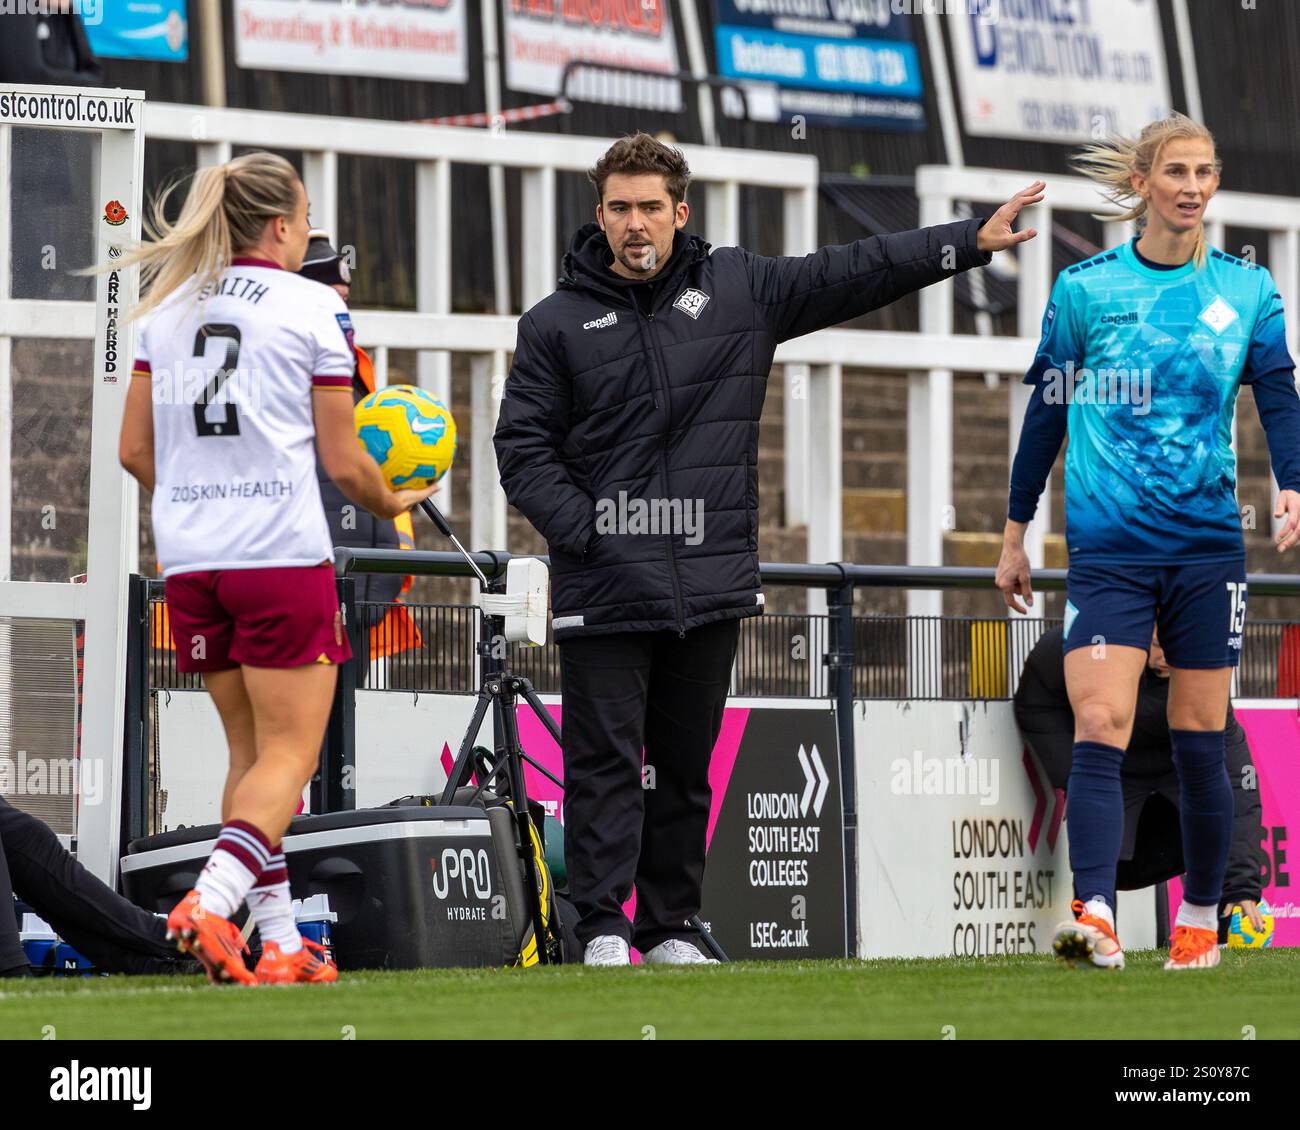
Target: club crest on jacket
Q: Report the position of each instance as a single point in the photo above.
(691, 302)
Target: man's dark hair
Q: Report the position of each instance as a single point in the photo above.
(640, 153)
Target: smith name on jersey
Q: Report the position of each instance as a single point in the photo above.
(232, 370)
(1142, 365)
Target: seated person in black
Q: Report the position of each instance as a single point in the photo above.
(113, 933)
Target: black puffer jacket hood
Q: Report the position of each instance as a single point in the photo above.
(628, 432)
(586, 263)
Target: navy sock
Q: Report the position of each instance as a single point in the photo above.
(1094, 807)
(1205, 811)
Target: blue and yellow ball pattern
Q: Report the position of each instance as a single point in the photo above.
(410, 433)
(1243, 935)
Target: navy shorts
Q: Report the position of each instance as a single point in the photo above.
(1199, 609)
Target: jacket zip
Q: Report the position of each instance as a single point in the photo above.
(661, 371)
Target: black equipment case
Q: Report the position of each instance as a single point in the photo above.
(413, 887)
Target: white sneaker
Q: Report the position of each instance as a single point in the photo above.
(608, 949)
(676, 951)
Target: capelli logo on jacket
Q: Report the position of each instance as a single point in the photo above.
(600, 323)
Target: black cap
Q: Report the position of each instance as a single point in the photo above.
(322, 263)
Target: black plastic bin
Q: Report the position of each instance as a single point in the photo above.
(412, 887)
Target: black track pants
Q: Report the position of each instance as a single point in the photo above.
(627, 823)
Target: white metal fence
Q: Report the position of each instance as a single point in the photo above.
(812, 366)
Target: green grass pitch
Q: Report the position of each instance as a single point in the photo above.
(1020, 997)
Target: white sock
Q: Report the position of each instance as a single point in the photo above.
(237, 860)
(272, 908)
(1202, 917)
(223, 883)
(1098, 907)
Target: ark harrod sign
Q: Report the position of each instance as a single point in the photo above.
(774, 883)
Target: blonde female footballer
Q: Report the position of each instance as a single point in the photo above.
(241, 367)
(1143, 351)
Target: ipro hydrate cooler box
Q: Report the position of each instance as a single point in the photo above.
(412, 887)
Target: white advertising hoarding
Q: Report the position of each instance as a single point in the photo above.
(1069, 70)
(542, 36)
(962, 849)
(418, 39)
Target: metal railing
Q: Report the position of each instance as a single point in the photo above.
(780, 655)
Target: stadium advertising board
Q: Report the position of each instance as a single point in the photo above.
(961, 848)
(836, 62)
(774, 873)
(1069, 71)
(140, 29)
(416, 39)
(404, 747)
(540, 37)
(774, 885)
(1273, 731)
(962, 843)
(774, 881)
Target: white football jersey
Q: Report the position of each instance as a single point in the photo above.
(232, 372)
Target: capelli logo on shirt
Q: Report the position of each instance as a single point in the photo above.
(1129, 319)
(600, 323)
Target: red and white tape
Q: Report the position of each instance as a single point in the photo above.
(516, 114)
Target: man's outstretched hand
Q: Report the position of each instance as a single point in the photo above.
(997, 233)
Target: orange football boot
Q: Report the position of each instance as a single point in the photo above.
(279, 968)
(1193, 948)
(1088, 940)
(215, 941)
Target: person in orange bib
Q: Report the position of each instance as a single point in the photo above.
(387, 630)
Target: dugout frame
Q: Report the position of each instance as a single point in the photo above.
(117, 117)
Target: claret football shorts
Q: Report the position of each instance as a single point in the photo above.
(225, 618)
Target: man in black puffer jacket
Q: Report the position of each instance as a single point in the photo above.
(628, 436)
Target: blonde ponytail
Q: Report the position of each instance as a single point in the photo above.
(225, 212)
(1112, 162)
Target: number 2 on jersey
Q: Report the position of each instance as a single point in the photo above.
(229, 424)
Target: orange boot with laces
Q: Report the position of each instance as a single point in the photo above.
(1193, 948)
(214, 940)
(311, 964)
(1088, 940)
